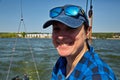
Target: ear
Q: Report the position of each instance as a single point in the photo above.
(89, 32)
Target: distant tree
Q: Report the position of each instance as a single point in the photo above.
(23, 34)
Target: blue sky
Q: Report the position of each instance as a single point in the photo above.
(106, 17)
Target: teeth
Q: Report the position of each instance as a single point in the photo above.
(63, 45)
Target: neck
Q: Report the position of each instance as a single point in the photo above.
(73, 60)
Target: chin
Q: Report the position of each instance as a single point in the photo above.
(64, 50)
(63, 53)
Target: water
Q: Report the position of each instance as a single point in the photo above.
(41, 52)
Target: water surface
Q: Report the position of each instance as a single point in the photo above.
(38, 56)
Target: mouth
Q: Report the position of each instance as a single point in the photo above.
(64, 43)
(63, 47)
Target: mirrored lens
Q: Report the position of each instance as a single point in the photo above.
(71, 10)
(55, 12)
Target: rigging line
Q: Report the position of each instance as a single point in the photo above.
(31, 51)
(12, 55)
(14, 48)
(86, 6)
(91, 11)
(30, 47)
(13, 51)
(21, 10)
(35, 65)
(90, 14)
(90, 2)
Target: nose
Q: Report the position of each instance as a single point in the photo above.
(62, 35)
(62, 39)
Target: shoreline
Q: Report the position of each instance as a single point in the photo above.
(112, 36)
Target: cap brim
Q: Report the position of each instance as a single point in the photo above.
(67, 20)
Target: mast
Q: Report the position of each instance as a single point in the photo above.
(90, 17)
(22, 24)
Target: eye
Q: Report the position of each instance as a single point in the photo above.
(56, 29)
(71, 29)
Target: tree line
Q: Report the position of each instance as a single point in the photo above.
(106, 35)
(7, 35)
(96, 35)
(11, 35)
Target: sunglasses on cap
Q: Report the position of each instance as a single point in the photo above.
(69, 10)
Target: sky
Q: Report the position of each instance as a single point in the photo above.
(106, 14)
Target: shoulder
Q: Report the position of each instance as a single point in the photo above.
(99, 77)
(97, 69)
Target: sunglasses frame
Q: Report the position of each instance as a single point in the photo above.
(63, 9)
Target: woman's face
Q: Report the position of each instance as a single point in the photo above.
(68, 41)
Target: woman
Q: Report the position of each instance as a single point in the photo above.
(77, 60)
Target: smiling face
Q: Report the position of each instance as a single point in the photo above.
(68, 41)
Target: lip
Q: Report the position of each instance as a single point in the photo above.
(63, 47)
(64, 43)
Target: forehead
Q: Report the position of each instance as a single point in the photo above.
(59, 24)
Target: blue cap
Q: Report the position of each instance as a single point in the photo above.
(72, 22)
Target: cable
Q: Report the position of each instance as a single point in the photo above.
(86, 6)
(14, 48)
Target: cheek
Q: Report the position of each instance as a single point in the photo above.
(80, 39)
(54, 39)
